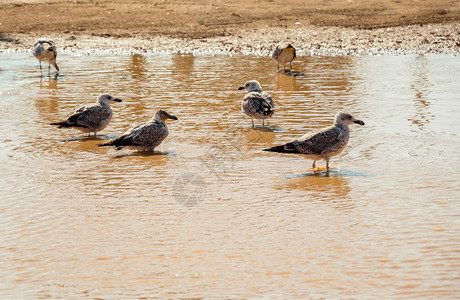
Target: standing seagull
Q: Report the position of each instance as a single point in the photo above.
(284, 56)
(323, 143)
(91, 118)
(45, 50)
(257, 104)
(145, 136)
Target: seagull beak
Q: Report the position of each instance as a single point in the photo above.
(358, 122)
(171, 117)
(241, 88)
(117, 100)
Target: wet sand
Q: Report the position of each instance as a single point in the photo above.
(314, 27)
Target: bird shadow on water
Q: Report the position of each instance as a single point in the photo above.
(293, 73)
(267, 128)
(83, 138)
(54, 76)
(145, 154)
(331, 173)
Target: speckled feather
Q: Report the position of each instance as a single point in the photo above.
(323, 143)
(328, 141)
(258, 105)
(92, 117)
(148, 135)
(284, 55)
(45, 50)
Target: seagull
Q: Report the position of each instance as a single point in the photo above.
(45, 50)
(284, 56)
(257, 104)
(145, 136)
(91, 118)
(323, 143)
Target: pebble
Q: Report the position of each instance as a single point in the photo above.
(309, 40)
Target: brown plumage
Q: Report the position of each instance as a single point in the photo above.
(323, 143)
(145, 136)
(256, 103)
(91, 118)
(284, 55)
(45, 50)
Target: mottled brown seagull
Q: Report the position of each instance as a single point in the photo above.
(91, 118)
(256, 103)
(45, 50)
(284, 55)
(323, 143)
(145, 136)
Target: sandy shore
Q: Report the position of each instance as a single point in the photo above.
(314, 27)
(309, 40)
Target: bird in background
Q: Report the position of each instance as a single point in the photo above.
(323, 143)
(145, 136)
(91, 118)
(45, 50)
(256, 103)
(284, 55)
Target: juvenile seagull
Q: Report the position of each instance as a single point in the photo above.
(91, 118)
(145, 136)
(45, 50)
(323, 143)
(257, 104)
(284, 56)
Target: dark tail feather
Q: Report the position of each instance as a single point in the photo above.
(287, 148)
(65, 124)
(268, 111)
(106, 144)
(112, 143)
(61, 124)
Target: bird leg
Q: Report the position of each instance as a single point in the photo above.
(49, 69)
(278, 68)
(314, 164)
(290, 65)
(327, 165)
(41, 71)
(263, 123)
(252, 120)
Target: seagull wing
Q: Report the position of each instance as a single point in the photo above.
(149, 134)
(268, 99)
(258, 103)
(90, 116)
(319, 142)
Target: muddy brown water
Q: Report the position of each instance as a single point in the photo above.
(211, 215)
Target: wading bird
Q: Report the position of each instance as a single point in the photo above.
(91, 118)
(145, 136)
(256, 103)
(45, 50)
(323, 143)
(284, 55)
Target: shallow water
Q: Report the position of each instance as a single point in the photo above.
(210, 214)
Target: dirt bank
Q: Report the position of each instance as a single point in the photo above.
(314, 26)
